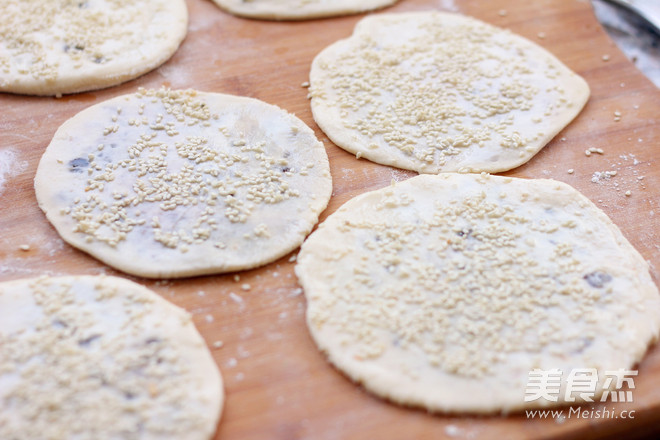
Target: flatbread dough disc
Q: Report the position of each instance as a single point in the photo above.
(299, 9)
(167, 184)
(102, 358)
(51, 47)
(439, 92)
(446, 291)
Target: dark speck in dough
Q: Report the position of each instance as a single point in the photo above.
(87, 341)
(77, 165)
(597, 279)
(464, 233)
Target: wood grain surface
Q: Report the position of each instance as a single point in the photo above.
(278, 386)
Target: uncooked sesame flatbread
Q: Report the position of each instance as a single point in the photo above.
(299, 9)
(51, 47)
(440, 92)
(166, 183)
(85, 357)
(446, 291)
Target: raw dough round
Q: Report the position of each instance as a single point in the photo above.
(439, 92)
(168, 184)
(101, 357)
(51, 47)
(445, 291)
(299, 9)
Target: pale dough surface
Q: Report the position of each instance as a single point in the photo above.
(165, 183)
(52, 47)
(444, 291)
(440, 92)
(89, 357)
(299, 9)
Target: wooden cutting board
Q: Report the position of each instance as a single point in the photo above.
(278, 386)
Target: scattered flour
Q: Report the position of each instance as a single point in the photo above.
(399, 175)
(9, 166)
(452, 430)
(629, 156)
(449, 5)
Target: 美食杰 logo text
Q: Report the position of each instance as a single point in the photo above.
(580, 385)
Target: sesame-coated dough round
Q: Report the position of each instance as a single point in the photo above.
(445, 291)
(299, 9)
(52, 47)
(440, 92)
(90, 357)
(166, 184)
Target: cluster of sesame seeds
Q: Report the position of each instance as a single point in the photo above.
(176, 185)
(439, 92)
(627, 176)
(71, 373)
(593, 150)
(599, 176)
(79, 30)
(466, 280)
